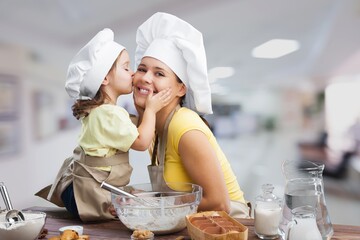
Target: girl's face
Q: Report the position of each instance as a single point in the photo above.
(153, 75)
(120, 76)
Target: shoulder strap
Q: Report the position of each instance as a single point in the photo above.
(163, 140)
(158, 156)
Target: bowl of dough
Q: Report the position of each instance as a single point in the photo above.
(161, 209)
(28, 229)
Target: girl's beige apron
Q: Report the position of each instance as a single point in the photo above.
(92, 201)
(156, 171)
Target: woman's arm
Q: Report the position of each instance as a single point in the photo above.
(203, 167)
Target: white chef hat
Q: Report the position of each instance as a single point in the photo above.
(180, 46)
(91, 64)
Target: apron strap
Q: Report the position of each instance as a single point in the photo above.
(154, 159)
(91, 161)
(156, 169)
(163, 140)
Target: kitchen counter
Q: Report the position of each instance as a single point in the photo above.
(111, 230)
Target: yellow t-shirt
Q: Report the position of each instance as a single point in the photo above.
(185, 120)
(108, 128)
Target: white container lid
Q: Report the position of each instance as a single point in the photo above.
(77, 228)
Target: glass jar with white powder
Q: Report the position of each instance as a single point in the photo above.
(267, 213)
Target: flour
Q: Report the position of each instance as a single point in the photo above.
(25, 230)
(159, 221)
(267, 220)
(267, 213)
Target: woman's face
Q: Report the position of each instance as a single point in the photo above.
(154, 75)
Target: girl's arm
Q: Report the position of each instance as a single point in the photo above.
(146, 128)
(203, 167)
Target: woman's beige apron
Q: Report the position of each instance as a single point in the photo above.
(92, 201)
(156, 171)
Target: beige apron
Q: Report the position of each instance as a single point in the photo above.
(156, 169)
(156, 172)
(92, 201)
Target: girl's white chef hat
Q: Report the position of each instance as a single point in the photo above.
(91, 64)
(180, 46)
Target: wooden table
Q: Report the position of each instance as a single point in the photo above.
(111, 230)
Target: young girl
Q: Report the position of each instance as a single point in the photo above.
(97, 76)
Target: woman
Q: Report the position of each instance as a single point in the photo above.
(172, 56)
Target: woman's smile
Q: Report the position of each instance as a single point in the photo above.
(145, 90)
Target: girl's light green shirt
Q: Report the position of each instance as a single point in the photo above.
(107, 129)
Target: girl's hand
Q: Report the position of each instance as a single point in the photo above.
(159, 100)
(112, 210)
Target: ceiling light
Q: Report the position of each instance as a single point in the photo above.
(220, 72)
(275, 48)
(218, 89)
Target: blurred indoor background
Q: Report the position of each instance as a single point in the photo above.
(301, 100)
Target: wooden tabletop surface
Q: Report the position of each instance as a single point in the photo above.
(111, 230)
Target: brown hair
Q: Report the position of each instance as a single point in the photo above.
(182, 99)
(82, 108)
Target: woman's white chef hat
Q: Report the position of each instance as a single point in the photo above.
(180, 46)
(91, 64)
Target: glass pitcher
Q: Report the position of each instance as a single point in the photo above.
(304, 187)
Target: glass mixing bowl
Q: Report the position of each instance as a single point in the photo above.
(29, 229)
(160, 209)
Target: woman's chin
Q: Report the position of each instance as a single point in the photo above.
(140, 101)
